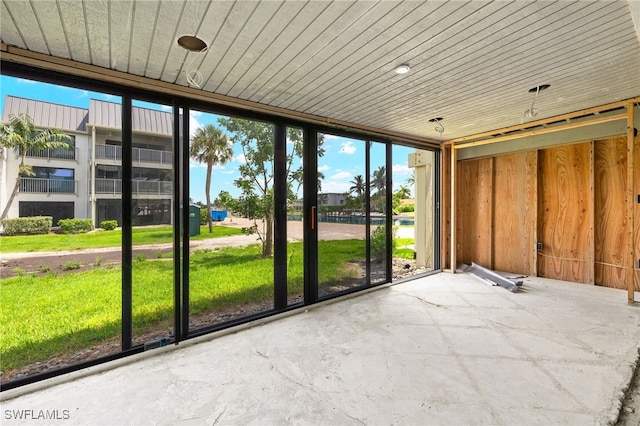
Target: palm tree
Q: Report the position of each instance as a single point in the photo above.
(211, 147)
(411, 180)
(404, 192)
(379, 179)
(21, 134)
(358, 186)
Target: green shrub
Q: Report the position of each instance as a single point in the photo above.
(71, 265)
(109, 225)
(379, 242)
(75, 226)
(204, 220)
(26, 225)
(406, 209)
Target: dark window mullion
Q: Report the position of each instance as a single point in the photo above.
(184, 219)
(177, 192)
(389, 212)
(368, 213)
(310, 203)
(126, 224)
(280, 217)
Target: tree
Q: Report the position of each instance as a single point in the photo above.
(411, 180)
(379, 183)
(21, 135)
(211, 147)
(256, 174)
(404, 192)
(379, 180)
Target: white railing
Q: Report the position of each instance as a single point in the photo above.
(48, 186)
(140, 155)
(54, 153)
(139, 187)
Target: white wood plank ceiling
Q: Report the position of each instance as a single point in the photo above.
(472, 62)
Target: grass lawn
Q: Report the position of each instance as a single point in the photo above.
(100, 238)
(44, 316)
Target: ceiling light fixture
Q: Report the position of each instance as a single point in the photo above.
(192, 43)
(439, 127)
(195, 45)
(532, 111)
(403, 69)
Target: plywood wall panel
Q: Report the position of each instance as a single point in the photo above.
(564, 212)
(611, 236)
(514, 220)
(474, 192)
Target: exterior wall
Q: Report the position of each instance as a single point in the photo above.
(152, 157)
(81, 176)
(331, 199)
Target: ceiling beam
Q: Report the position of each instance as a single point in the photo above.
(525, 128)
(67, 66)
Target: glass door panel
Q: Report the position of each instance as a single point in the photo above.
(231, 193)
(61, 302)
(152, 222)
(295, 231)
(341, 215)
(377, 212)
(413, 219)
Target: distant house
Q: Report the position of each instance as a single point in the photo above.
(332, 199)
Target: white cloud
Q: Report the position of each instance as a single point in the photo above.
(166, 107)
(329, 136)
(195, 165)
(402, 169)
(324, 168)
(240, 158)
(347, 148)
(338, 182)
(193, 124)
(24, 80)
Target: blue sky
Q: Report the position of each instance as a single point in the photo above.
(342, 161)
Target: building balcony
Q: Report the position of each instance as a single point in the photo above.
(140, 155)
(54, 154)
(48, 186)
(139, 187)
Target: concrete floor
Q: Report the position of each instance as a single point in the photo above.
(446, 349)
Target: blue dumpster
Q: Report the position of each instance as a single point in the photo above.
(218, 215)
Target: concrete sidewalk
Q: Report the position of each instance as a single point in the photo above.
(442, 350)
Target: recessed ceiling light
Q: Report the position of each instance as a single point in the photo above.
(539, 88)
(192, 43)
(403, 69)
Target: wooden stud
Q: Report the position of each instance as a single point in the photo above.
(445, 206)
(544, 131)
(453, 172)
(533, 207)
(546, 121)
(630, 205)
(590, 267)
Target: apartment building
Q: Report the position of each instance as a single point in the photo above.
(85, 181)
